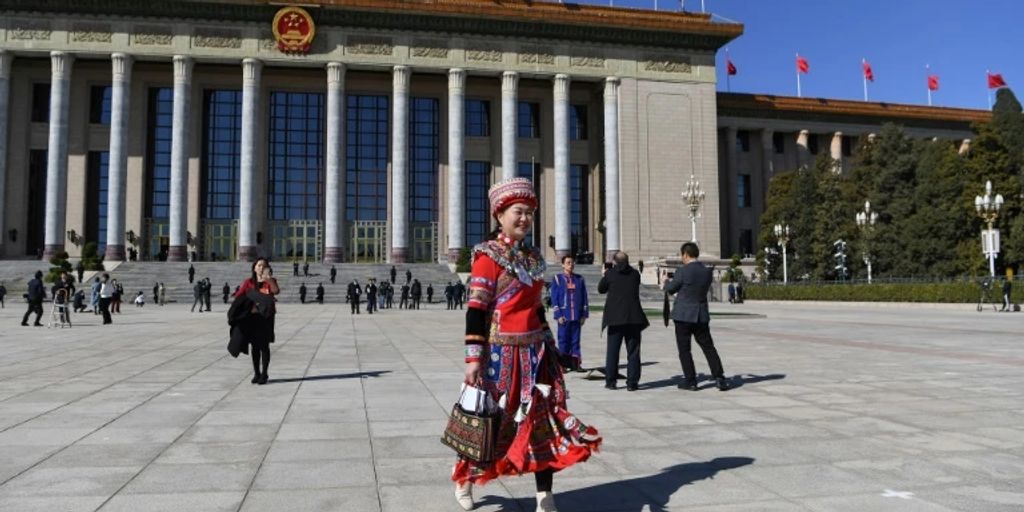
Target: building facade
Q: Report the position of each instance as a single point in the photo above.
(179, 127)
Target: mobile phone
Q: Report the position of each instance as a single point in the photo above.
(607, 265)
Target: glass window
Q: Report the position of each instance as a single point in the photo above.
(577, 122)
(161, 118)
(478, 118)
(528, 118)
(478, 218)
(812, 143)
(96, 216)
(779, 142)
(423, 161)
(99, 104)
(578, 179)
(40, 103)
(847, 145)
(743, 140)
(746, 242)
(743, 190)
(223, 153)
(366, 171)
(294, 189)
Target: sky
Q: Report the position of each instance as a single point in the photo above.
(959, 39)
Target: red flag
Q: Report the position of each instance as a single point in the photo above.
(730, 67)
(868, 74)
(933, 82)
(802, 66)
(995, 80)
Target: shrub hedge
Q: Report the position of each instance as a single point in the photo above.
(950, 292)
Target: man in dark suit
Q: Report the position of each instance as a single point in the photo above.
(690, 314)
(624, 318)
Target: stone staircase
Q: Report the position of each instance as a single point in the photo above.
(592, 273)
(141, 276)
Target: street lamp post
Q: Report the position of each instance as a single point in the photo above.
(988, 209)
(782, 234)
(866, 222)
(693, 196)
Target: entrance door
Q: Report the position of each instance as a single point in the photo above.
(156, 239)
(220, 240)
(424, 242)
(299, 240)
(369, 241)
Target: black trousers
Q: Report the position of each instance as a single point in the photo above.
(616, 335)
(355, 306)
(34, 306)
(702, 333)
(105, 309)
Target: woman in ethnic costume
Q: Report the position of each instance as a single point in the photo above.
(511, 353)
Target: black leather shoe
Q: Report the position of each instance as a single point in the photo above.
(255, 378)
(632, 388)
(723, 384)
(263, 379)
(611, 386)
(688, 385)
(25, 324)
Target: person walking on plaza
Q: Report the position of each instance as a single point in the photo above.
(191, 273)
(258, 327)
(295, 268)
(403, 303)
(320, 293)
(305, 269)
(207, 292)
(692, 318)
(163, 294)
(570, 308)
(459, 294)
(3, 293)
(334, 274)
(302, 293)
(227, 292)
(417, 292)
(408, 276)
(115, 301)
(354, 291)
(1007, 288)
(448, 291)
(106, 294)
(156, 293)
(197, 293)
(35, 295)
(393, 274)
(430, 293)
(515, 360)
(371, 297)
(624, 318)
(389, 296)
(80, 269)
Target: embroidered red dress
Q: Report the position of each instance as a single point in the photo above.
(506, 331)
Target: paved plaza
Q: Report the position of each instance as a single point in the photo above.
(839, 408)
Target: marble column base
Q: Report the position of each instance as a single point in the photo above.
(177, 253)
(400, 255)
(248, 252)
(50, 251)
(453, 254)
(115, 253)
(334, 254)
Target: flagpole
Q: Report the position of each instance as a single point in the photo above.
(988, 89)
(728, 76)
(798, 95)
(864, 78)
(927, 85)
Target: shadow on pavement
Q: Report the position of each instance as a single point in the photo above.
(736, 380)
(356, 375)
(633, 495)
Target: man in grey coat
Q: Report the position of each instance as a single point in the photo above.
(691, 317)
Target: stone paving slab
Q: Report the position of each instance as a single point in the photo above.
(837, 408)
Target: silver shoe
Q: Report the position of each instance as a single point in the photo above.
(464, 495)
(546, 502)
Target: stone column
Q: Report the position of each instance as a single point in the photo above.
(965, 147)
(509, 126)
(456, 163)
(334, 244)
(563, 245)
(248, 249)
(57, 153)
(5, 88)
(400, 165)
(178, 250)
(611, 167)
(836, 150)
(117, 170)
(803, 153)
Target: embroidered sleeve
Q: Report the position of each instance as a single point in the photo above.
(482, 282)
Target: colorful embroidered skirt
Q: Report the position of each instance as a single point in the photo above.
(548, 435)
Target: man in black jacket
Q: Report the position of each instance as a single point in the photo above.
(320, 293)
(36, 294)
(302, 293)
(354, 292)
(624, 318)
(691, 316)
